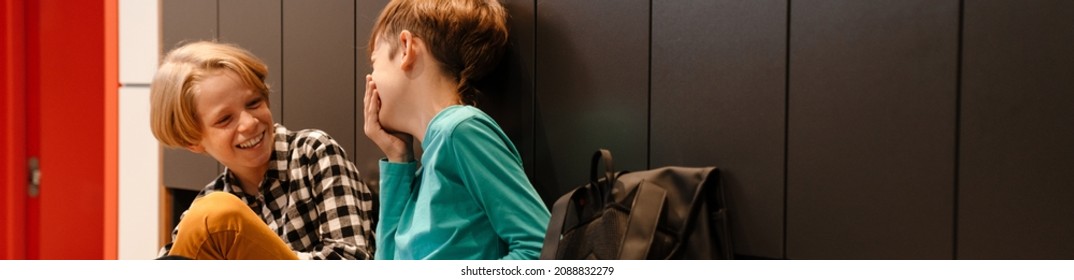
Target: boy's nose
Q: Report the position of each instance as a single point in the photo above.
(247, 121)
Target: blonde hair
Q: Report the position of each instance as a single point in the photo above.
(467, 37)
(173, 114)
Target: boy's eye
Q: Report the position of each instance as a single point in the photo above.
(254, 103)
(223, 120)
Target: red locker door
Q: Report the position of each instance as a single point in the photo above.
(60, 79)
(12, 131)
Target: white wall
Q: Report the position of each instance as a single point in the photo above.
(139, 152)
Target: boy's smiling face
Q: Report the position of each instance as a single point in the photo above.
(237, 126)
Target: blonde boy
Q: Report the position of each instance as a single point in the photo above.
(284, 194)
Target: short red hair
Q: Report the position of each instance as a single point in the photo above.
(467, 37)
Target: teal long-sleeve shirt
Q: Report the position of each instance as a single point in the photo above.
(471, 198)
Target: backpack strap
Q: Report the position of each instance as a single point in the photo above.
(609, 173)
(554, 232)
(555, 227)
(641, 226)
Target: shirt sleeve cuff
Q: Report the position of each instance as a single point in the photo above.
(405, 169)
(395, 180)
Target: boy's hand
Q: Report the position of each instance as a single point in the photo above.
(396, 146)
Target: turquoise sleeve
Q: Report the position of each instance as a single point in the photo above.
(395, 188)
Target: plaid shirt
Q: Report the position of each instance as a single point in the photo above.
(329, 211)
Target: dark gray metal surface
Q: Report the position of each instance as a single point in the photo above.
(1016, 157)
(318, 76)
(718, 99)
(871, 130)
(592, 91)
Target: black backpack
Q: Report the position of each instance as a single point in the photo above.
(663, 213)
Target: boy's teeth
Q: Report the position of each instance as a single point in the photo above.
(251, 142)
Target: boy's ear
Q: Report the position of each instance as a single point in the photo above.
(408, 48)
(196, 148)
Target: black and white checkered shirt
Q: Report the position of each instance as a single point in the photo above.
(329, 211)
